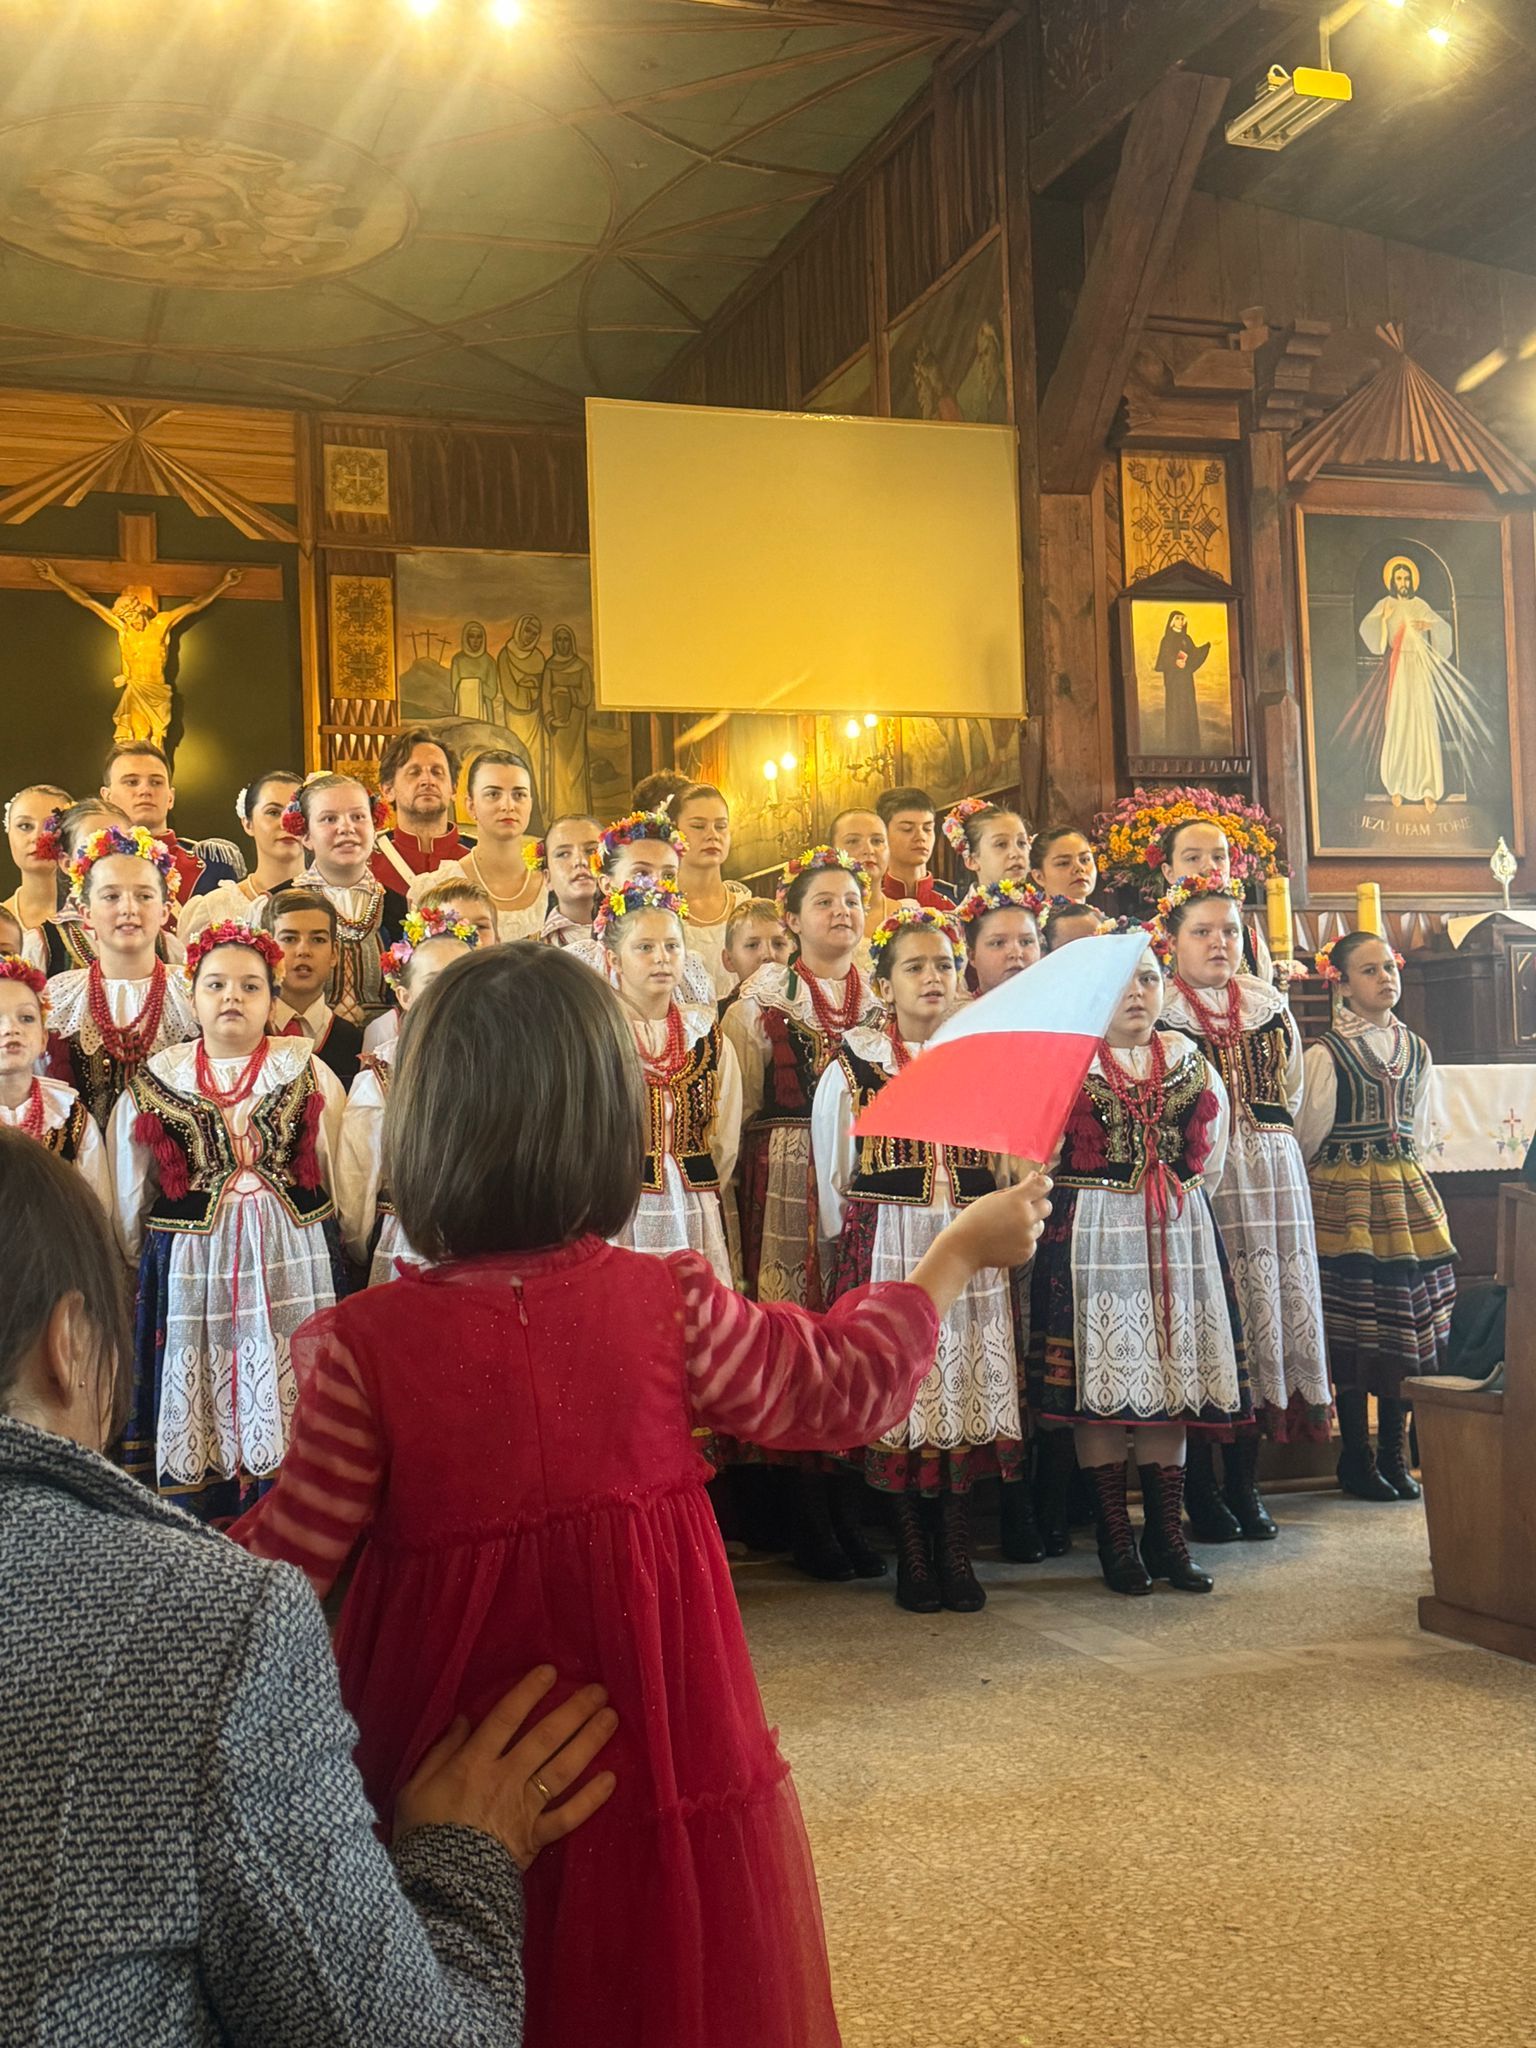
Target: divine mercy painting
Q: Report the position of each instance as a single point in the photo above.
(1408, 685)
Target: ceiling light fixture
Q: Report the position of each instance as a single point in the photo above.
(507, 13)
(1439, 35)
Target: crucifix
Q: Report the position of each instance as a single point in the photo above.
(136, 581)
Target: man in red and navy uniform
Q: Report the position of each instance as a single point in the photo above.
(417, 776)
(137, 779)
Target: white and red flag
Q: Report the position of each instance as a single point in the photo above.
(1002, 1074)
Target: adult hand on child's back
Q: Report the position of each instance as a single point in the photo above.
(471, 1778)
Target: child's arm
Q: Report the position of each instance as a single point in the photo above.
(329, 1483)
(782, 1377)
(1319, 1102)
(725, 1137)
(1220, 1131)
(359, 1164)
(132, 1173)
(743, 1028)
(833, 1148)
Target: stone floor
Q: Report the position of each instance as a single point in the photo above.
(1278, 1815)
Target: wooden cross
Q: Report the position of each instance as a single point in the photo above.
(138, 568)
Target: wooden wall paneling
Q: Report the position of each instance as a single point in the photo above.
(1280, 267)
(1270, 656)
(1325, 290)
(469, 486)
(910, 218)
(306, 456)
(1075, 698)
(1193, 277)
(945, 161)
(354, 730)
(1016, 210)
(978, 190)
(880, 297)
(1239, 260)
(1365, 280)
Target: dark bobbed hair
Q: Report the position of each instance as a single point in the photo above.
(516, 1116)
(237, 946)
(890, 801)
(289, 897)
(1346, 948)
(1045, 840)
(803, 883)
(497, 757)
(250, 796)
(404, 744)
(57, 1244)
(1050, 937)
(1174, 922)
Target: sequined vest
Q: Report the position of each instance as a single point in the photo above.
(1253, 1070)
(1374, 1117)
(65, 1139)
(694, 1094)
(196, 1158)
(798, 1055)
(904, 1169)
(1103, 1148)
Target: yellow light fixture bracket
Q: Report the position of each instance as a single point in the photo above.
(1310, 82)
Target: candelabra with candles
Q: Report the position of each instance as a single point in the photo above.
(787, 807)
(871, 748)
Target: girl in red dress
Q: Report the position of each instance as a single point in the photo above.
(504, 1439)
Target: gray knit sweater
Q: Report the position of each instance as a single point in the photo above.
(187, 1854)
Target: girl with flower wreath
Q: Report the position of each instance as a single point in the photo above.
(1133, 1320)
(338, 821)
(786, 1025)
(1244, 1026)
(991, 841)
(1000, 921)
(64, 938)
(47, 1110)
(110, 1016)
(221, 1155)
(31, 827)
(1384, 1248)
(260, 808)
(692, 1080)
(370, 1230)
(882, 1202)
(643, 847)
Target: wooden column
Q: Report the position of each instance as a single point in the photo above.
(1018, 230)
(1075, 685)
(1271, 656)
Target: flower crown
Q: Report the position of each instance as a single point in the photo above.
(231, 933)
(959, 817)
(1323, 965)
(906, 917)
(293, 815)
(49, 843)
(1055, 905)
(662, 894)
(130, 841)
(14, 968)
(1192, 887)
(807, 863)
(1006, 894)
(626, 831)
(419, 926)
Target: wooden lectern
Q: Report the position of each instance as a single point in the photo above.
(1477, 1452)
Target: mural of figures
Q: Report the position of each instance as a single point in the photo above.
(1407, 677)
(946, 357)
(520, 671)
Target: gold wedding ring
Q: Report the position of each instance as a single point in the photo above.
(543, 1790)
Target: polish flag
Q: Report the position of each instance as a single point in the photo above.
(1002, 1073)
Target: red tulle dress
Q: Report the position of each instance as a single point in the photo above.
(512, 1441)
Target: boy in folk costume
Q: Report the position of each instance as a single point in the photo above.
(370, 1229)
(883, 1202)
(1133, 1322)
(110, 1016)
(692, 1081)
(1384, 1249)
(1245, 1029)
(338, 821)
(221, 1154)
(49, 1111)
(303, 922)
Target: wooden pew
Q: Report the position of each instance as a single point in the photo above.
(1477, 1453)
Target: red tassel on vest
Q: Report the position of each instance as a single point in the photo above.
(306, 1160)
(170, 1160)
(1087, 1141)
(1197, 1138)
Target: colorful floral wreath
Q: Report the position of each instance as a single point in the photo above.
(1130, 839)
(14, 968)
(231, 933)
(905, 917)
(956, 820)
(49, 843)
(626, 831)
(131, 842)
(662, 894)
(1053, 906)
(807, 863)
(293, 821)
(1322, 962)
(419, 926)
(1005, 894)
(1193, 887)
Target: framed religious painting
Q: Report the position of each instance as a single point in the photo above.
(1409, 670)
(1181, 676)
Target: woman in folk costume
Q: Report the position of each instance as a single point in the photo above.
(49, 1111)
(499, 801)
(31, 833)
(883, 1202)
(338, 821)
(1263, 1206)
(260, 808)
(1133, 1321)
(1384, 1248)
(221, 1154)
(786, 1025)
(369, 1226)
(704, 826)
(109, 1016)
(692, 1080)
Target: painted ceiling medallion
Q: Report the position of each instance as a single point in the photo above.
(177, 195)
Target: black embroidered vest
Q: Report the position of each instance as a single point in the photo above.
(196, 1155)
(1375, 1113)
(65, 1140)
(1253, 1070)
(904, 1169)
(695, 1096)
(1103, 1148)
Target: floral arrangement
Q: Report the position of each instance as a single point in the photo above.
(662, 894)
(231, 933)
(132, 842)
(1131, 839)
(1006, 894)
(1053, 906)
(14, 968)
(626, 831)
(293, 820)
(49, 843)
(806, 863)
(914, 916)
(956, 820)
(419, 926)
(1323, 965)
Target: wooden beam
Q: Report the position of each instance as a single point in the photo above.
(963, 19)
(1175, 31)
(1163, 147)
(258, 580)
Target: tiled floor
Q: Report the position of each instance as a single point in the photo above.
(1279, 1815)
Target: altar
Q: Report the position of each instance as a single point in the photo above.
(1485, 1120)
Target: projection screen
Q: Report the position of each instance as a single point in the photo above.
(794, 562)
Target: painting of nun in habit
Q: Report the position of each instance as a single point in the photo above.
(1416, 694)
